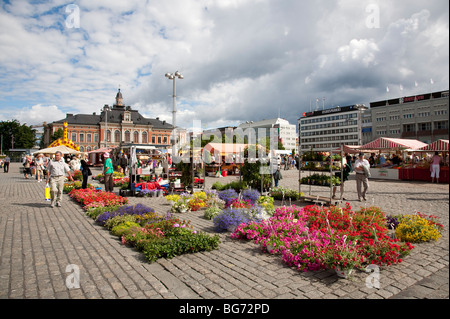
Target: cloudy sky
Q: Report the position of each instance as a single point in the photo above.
(241, 59)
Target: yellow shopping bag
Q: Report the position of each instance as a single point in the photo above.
(47, 193)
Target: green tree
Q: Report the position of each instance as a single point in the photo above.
(22, 136)
(59, 133)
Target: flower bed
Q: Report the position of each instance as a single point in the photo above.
(313, 238)
(74, 185)
(416, 228)
(90, 198)
(186, 202)
(156, 236)
(141, 227)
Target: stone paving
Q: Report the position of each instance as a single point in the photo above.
(40, 246)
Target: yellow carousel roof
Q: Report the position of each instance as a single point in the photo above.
(65, 140)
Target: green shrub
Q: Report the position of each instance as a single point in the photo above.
(218, 186)
(178, 245)
(120, 229)
(95, 211)
(117, 220)
(277, 193)
(236, 185)
(212, 212)
(267, 203)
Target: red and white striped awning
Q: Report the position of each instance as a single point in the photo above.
(384, 143)
(351, 149)
(437, 146)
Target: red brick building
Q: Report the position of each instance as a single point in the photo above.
(115, 126)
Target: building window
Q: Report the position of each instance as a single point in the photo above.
(424, 127)
(96, 137)
(136, 137)
(88, 149)
(127, 136)
(81, 137)
(117, 137)
(409, 128)
(89, 138)
(159, 139)
(153, 140)
(441, 125)
(165, 139)
(408, 116)
(144, 138)
(440, 112)
(74, 137)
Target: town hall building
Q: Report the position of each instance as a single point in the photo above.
(115, 126)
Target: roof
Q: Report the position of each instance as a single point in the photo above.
(81, 119)
(226, 148)
(114, 116)
(394, 143)
(437, 146)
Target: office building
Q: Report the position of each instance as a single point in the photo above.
(330, 128)
(422, 117)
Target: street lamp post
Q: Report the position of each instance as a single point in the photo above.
(105, 109)
(173, 76)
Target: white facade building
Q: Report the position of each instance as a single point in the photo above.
(286, 131)
(331, 128)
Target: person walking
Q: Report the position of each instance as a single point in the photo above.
(39, 163)
(56, 173)
(277, 176)
(6, 162)
(345, 173)
(27, 167)
(85, 170)
(108, 171)
(435, 167)
(124, 163)
(362, 169)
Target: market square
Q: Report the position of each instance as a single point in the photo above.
(54, 239)
(224, 157)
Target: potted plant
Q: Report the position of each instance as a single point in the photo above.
(342, 256)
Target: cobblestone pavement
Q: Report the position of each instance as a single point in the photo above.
(38, 244)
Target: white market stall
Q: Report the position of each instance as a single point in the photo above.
(388, 145)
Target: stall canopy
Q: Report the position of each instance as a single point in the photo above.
(437, 146)
(227, 148)
(62, 148)
(385, 143)
(100, 150)
(351, 149)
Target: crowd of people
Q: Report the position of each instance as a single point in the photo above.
(54, 169)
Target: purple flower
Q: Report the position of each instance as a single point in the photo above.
(231, 218)
(251, 194)
(138, 209)
(228, 195)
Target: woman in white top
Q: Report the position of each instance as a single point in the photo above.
(39, 161)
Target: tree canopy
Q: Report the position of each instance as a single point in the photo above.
(16, 135)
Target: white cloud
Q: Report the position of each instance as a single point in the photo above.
(37, 114)
(241, 59)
